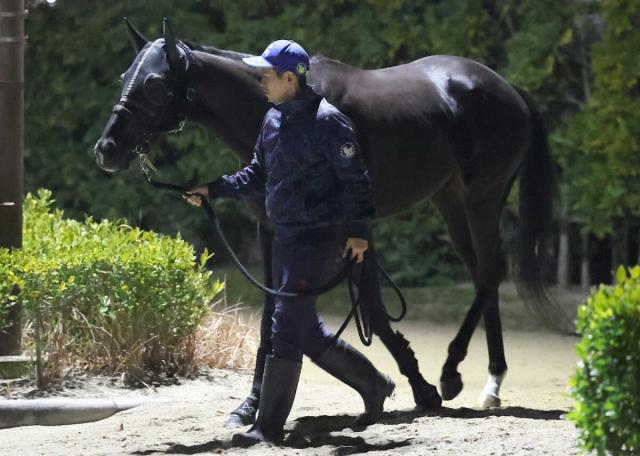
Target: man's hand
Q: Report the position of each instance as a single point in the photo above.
(358, 247)
(193, 196)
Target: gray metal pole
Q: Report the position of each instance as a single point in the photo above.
(11, 144)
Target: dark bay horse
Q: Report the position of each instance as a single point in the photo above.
(442, 128)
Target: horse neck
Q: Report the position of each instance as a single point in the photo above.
(330, 78)
(228, 99)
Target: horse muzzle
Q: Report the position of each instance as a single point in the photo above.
(109, 158)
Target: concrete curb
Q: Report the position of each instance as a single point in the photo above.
(55, 412)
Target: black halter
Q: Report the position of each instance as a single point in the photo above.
(178, 89)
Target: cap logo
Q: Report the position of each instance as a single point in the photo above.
(301, 69)
(347, 150)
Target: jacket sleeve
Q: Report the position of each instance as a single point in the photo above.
(344, 152)
(250, 179)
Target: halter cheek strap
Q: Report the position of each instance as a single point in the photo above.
(125, 106)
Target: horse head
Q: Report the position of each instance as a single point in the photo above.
(152, 102)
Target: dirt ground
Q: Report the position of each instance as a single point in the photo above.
(189, 418)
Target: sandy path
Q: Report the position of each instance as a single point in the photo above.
(188, 419)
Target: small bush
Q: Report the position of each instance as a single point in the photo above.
(8, 285)
(109, 297)
(606, 384)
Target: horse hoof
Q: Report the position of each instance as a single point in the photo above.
(489, 400)
(451, 387)
(426, 397)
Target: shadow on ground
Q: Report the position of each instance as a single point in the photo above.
(308, 425)
(316, 431)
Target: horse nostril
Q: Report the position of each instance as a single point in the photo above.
(104, 149)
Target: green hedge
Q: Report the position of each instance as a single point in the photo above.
(108, 295)
(606, 385)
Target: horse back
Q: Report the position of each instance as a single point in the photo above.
(424, 122)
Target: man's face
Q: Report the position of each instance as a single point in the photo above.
(278, 89)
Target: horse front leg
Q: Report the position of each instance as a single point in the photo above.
(245, 413)
(451, 380)
(424, 394)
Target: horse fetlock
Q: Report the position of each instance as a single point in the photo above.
(457, 352)
(490, 395)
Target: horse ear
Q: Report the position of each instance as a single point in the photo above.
(135, 36)
(169, 43)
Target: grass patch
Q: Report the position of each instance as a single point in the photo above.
(439, 304)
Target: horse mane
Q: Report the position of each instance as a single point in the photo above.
(317, 59)
(328, 77)
(233, 55)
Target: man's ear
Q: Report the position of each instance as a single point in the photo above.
(289, 76)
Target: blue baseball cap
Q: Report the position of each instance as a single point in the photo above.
(283, 55)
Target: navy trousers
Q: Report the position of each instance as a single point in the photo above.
(302, 261)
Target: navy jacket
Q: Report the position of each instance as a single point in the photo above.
(308, 165)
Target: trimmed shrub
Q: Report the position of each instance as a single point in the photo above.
(606, 384)
(108, 296)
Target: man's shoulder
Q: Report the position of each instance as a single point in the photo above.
(327, 111)
(271, 118)
(272, 113)
(331, 117)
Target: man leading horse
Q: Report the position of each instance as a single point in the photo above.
(308, 168)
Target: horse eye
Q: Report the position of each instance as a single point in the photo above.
(155, 89)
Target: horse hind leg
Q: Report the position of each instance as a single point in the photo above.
(484, 218)
(490, 395)
(488, 266)
(450, 203)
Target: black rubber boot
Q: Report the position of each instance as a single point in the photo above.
(351, 367)
(279, 387)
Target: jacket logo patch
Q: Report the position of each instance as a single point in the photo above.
(347, 150)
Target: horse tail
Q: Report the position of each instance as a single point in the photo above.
(538, 190)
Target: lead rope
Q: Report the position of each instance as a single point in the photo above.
(360, 311)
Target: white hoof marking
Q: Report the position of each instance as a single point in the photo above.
(490, 395)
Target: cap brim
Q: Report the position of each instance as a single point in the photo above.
(258, 62)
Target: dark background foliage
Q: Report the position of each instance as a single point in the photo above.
(577, 57)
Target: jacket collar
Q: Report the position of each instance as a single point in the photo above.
(306, 101)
